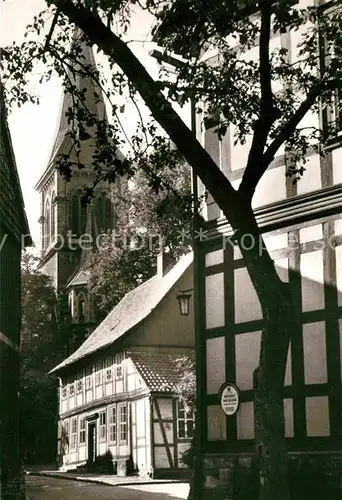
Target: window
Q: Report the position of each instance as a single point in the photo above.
(109, 372)
(81, 309)
(118, 362)
(98, 374)
(64, 392)
(53, 214)
(112, 424)
(104, 213)
(77, 215)
(65, 436)
(72, 390)
(332, 56)
(47, 224)
(79, 383)
(103, 424)
(123, 423)
(73, 434)
(185, 422)
(89, 379)
(82, 431)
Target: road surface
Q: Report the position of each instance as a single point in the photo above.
(45, 488)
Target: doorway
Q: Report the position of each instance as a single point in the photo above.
(92, 445)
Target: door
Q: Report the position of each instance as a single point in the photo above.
(92, 442)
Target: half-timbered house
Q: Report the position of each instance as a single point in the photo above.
(14, 237)
(117, 395)
(302, 226)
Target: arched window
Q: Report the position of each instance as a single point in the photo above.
(53, 215)
(83, 216)
(77, 215)
(47, 224)
(81, 307)
(104, 213)
(73, 215)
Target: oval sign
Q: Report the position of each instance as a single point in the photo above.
(229, 397)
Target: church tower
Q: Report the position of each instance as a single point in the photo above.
(68, 228)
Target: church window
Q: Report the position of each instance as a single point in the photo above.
(77, 215)
(53, 216)
(81, 308)
(104, 213)
(47, 223)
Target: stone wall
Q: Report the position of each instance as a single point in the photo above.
(234, 477)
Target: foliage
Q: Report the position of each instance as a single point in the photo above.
(186, 386)
(146, 224)
(39, 320)
(40, 347)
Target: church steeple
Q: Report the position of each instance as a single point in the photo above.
(65, 257)
(81, 77)
(61, 207)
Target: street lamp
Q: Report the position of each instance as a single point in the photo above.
(184, 302)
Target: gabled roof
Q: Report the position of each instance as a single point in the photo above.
(131, 310)
(12, 209)
(158, 369)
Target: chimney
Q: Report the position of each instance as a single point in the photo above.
(164, 263)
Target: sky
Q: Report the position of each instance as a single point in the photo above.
(33, 127)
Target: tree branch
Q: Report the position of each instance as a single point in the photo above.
(204, 167)
(268, 113)
(283, 135)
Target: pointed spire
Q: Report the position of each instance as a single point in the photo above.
(93, 94)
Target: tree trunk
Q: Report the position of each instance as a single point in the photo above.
(270, 451)
(276, 304)
(270, 448)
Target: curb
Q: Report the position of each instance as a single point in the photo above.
(101, 482)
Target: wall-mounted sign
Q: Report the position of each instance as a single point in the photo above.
(229, 398)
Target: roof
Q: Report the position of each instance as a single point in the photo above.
(158, 369)
(12, 209)
(129, 312)
(93, 100)
(80, 278)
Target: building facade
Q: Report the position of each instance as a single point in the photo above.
(14, 237)
(117, 391)
(302, 227)
(70, 230)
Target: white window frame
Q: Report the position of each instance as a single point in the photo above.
(102, 426)
(123, 423)
(72, 389)
(66, 429)
(73, 434)
(82, 432)
(185, 418)
(112, 424)
(109, 370)
(119, 358)
(89, 379)
(98, 374)
(79, 383)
